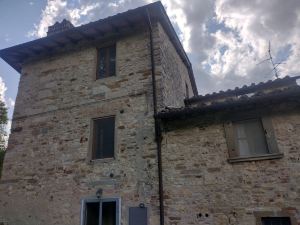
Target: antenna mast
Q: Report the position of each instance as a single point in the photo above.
(271, 60)
(274, 65)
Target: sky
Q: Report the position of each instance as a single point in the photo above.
(227, 41)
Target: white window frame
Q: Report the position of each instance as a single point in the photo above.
(100, 200)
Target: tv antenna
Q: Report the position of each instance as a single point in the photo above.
(274, 65)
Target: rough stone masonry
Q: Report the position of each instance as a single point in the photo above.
(47, 171)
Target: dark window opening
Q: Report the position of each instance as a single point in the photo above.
(276, 221)
(92, 213)
(106, 66)
(101, 212)
(187, 91)
(103, 139)
(109, 213)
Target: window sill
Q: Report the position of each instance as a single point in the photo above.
(256, 158)
(96, 161)
(111, 77)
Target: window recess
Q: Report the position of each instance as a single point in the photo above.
(106, 63)
(100, 211)
(251, 139)
(103, 138)
(276, 221)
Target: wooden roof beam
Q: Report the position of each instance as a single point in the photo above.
(88, 37)
(130, 24)
(73, 40)
(115, 28)
(59, 43)
(99, 32)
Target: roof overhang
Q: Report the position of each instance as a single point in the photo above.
(93, 32)
(277, 102)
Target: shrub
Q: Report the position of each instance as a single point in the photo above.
(2, 153)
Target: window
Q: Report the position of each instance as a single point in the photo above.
(186, 91)
(100, 211)
(276, 221)
(103, 138)
(250, 138)
(106, 65)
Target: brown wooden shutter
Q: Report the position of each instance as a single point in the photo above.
(230, 138)
(270, 135)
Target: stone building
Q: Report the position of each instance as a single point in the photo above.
(109, 129)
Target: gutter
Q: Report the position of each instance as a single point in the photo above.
(157, 121)
(270, 84)
(288, 96)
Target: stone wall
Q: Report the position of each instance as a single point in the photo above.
(173, 72)
(201, 187)
(45, 171)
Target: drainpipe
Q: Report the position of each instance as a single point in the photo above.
(158, 136)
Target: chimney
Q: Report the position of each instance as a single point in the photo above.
(59, 27)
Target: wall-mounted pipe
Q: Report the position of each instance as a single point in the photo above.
(158, 136)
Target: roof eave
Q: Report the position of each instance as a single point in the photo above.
(291, 95)
(15, 55)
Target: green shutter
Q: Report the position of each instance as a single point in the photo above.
(270, 135)
(230, 138)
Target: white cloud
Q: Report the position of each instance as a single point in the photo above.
(249, 27)
(225, 39)
(3, 89)
(53, 9)
(7, 130)
(76, 14)
(7, 38)
(85, 12)
(10, 103)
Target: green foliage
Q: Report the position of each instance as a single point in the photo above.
(2, 153)
(3, 114)
(3, 122)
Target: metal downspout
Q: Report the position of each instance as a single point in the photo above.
(158, 136)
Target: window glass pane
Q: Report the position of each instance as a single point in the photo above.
(112, 61)
(241, 140)
(104, 138)
(276, 221)
(92, 213)
(109, 213)
(106, 62)
(243, 147)
(250, 138)
(256, 137)
(102, 70)
(186, 91)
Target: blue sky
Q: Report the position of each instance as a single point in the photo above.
(16, 19)
(225, 39)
